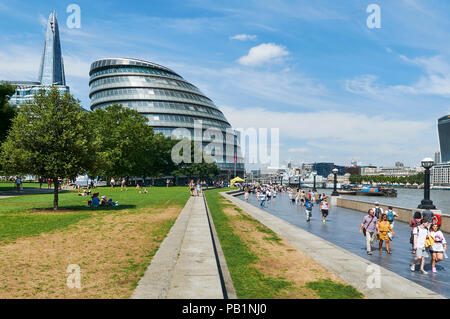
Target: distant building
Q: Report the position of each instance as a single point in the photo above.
(444, 138)
(353, 170)
(440, 174)
(437, 157)
(369, 170)
(51, 71)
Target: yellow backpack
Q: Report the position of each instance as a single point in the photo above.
(429, 241)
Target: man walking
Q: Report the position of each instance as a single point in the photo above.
(378, 210)
(308, 207)
(369, 227)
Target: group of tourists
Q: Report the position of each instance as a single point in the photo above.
(266, 193)
(195, 188)
(378, 224)
(425, 235)
(97, 201)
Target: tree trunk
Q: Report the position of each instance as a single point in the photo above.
(55, 193)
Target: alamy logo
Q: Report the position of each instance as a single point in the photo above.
(74, 279)
(374, 19)
(74, 19)
(374, 279)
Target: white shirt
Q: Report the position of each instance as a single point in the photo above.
(421, 233)
(439, 240)
(375, 211)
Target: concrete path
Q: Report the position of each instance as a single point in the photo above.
(185, 265)
(25, 191)
(355, 270)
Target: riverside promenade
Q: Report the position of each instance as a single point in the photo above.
(185, 266)
(340, 247)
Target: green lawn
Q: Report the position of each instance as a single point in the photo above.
(245, 264)
(32, 214)
(248, 281)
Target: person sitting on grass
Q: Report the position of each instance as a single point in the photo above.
(145, 191)
(95, 201)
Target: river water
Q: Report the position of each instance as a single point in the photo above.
(406, 197)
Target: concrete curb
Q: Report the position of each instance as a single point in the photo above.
(351, 268)
(225, 276)
(156, 280)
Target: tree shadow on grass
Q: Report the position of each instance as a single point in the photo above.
(78, 208)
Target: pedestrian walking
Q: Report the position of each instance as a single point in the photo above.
(416, 221)
(246, 193)
(384, 228)
(324, 209)
(113, 182)
(420, 235)
(378, 210)
(262, 198)
(391, 215)
(41, 181)
(369, 228)
(18, 183)
(439, 248)
(123, 185)
(308, 209)
(192, 187)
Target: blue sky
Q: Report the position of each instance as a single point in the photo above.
(336, 89)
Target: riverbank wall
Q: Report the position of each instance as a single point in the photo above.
(404, 214)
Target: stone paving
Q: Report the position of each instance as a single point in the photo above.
(340, 247)
(185, 265)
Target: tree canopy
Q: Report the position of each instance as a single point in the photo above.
(50, 137)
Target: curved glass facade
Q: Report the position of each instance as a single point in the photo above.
(165, 98)
(444, 137)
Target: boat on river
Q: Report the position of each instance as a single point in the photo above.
(369, 191)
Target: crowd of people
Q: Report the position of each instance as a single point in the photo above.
(298, 197)
(427, 240)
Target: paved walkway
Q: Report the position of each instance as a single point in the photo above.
(339, 247)
(25, 191)
(185, 265)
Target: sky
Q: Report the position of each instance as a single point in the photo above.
(336, 89)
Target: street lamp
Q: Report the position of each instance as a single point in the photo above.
(427, 203)
(335, 193)
(314, 173)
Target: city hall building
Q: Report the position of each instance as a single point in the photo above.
(167, 100)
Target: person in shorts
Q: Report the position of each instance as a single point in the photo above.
(324, 209)
(440, 246)
(308, 209)
(420, 234)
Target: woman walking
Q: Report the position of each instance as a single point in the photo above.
(440, 246)
(246, 194)
(384, 228)
(324, 209)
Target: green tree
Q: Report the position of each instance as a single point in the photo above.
(127, 144)
(7, 111)
(50, 137)
(201, 170)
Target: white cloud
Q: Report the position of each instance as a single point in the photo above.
(298, 150)
(436, 80)
(243, 37)
(264, 53)
(376, 139)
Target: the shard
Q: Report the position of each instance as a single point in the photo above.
(51, 71)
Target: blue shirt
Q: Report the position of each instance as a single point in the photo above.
(309, 206)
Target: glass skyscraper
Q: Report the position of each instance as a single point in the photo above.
(51, 71)
(444, 138)
(167, 100)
